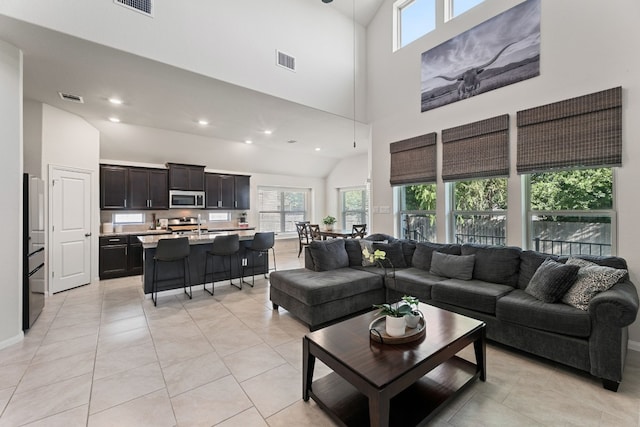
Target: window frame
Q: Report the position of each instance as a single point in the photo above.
(529, 213)
(452, 212)
(401, 203)
(282, 212)
(364, 212)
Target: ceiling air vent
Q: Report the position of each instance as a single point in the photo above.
(70, 97)
(143, 6)
(286, 61)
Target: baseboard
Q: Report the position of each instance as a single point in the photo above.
(634, 345)
(13, 340)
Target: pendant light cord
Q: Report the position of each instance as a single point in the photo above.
(354, 73)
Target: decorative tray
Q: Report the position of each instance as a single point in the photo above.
(378, 333)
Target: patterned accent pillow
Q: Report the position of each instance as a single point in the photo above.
(592, 279)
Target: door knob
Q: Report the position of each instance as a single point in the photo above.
(87, 234)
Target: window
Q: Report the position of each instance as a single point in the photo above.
(458, 7)
(219, 216)
(480, 211)
(418, 212)
(279, 208)
(128, 218)
(413, 19)
(571, 212)
(354, 207)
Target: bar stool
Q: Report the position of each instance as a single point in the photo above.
(222, 247)
(171, 251)
(260, 245)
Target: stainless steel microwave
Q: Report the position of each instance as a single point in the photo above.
(186, 199)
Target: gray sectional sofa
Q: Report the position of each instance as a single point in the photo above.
(335, 285)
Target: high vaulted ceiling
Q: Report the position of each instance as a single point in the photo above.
(160, 96)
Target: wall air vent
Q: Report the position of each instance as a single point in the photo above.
(143, 6)
(71, 98)
(286, 61)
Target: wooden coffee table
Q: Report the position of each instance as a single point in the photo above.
(383, 384)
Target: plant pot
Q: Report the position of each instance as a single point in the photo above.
(412, 320)
(329, 227)
(395, 326)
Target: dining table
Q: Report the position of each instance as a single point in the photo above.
(335, 233)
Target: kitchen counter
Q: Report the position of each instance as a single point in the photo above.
(148, 232)
(151, 241)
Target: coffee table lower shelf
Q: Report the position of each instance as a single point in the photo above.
(416, 405)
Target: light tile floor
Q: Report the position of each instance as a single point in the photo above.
(103, 355)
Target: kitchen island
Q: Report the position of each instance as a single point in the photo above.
(169, 276)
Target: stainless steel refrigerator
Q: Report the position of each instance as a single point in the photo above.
(34, 280)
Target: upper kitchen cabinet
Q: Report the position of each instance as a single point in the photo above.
(242, 192)
(186, 177)
(123, 187)
(148, 188)
(227, 191)
(113, 187)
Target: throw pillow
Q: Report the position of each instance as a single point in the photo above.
(368, 245)
(354, 251)
(552, 280)
(453, 266)
(592, 279)
(328, 254)
(393, 253)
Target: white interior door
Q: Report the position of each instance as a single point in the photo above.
(70, 195)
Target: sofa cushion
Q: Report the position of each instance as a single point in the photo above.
(529, 263)
(424, 250)
(592, 279)
(314, 287)
(393, 252)
(408, 248)
(354, 251)
(552, 280)
(523, 309)
(495, 264)
(413, 281)
(328, 254)
(472, 294)
(453, 266)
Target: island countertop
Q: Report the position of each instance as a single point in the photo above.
(151, 241)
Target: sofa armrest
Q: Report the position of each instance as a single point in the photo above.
(617, 306)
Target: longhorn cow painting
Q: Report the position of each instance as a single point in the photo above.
(501, 51)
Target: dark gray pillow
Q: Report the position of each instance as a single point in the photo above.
(329, 254)
(529, 263)
(453, 266)
(354, 251)
(393, 253)
(495, 264)
(424, 250)
(552, 280)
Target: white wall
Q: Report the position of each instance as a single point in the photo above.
(233, 41)
(11, 173)
(349, 172)
(33, 138)
(68, 140)
(586, 46)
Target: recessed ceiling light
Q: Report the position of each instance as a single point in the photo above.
(115, 101)
(317, 148)
(203, 122)
(291, 141)
(267, 132)
(114, 119)
(248, 141)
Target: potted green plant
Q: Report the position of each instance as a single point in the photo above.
(328, 221)
(413, 317)
(394, 322)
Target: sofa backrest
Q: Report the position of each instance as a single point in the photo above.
(495, 264)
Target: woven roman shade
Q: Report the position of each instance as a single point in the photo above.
(580, 132)
(476, 150)
(413, 160)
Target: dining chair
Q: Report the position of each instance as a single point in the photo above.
(302, 227)
(359, 230)
(314, 231)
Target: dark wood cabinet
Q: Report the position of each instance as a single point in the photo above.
(113, 187)
(242, 192)
(134, 261)
(148, 188)
(227, 191)
(123, 187)
(186, 177)
(113, 257)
